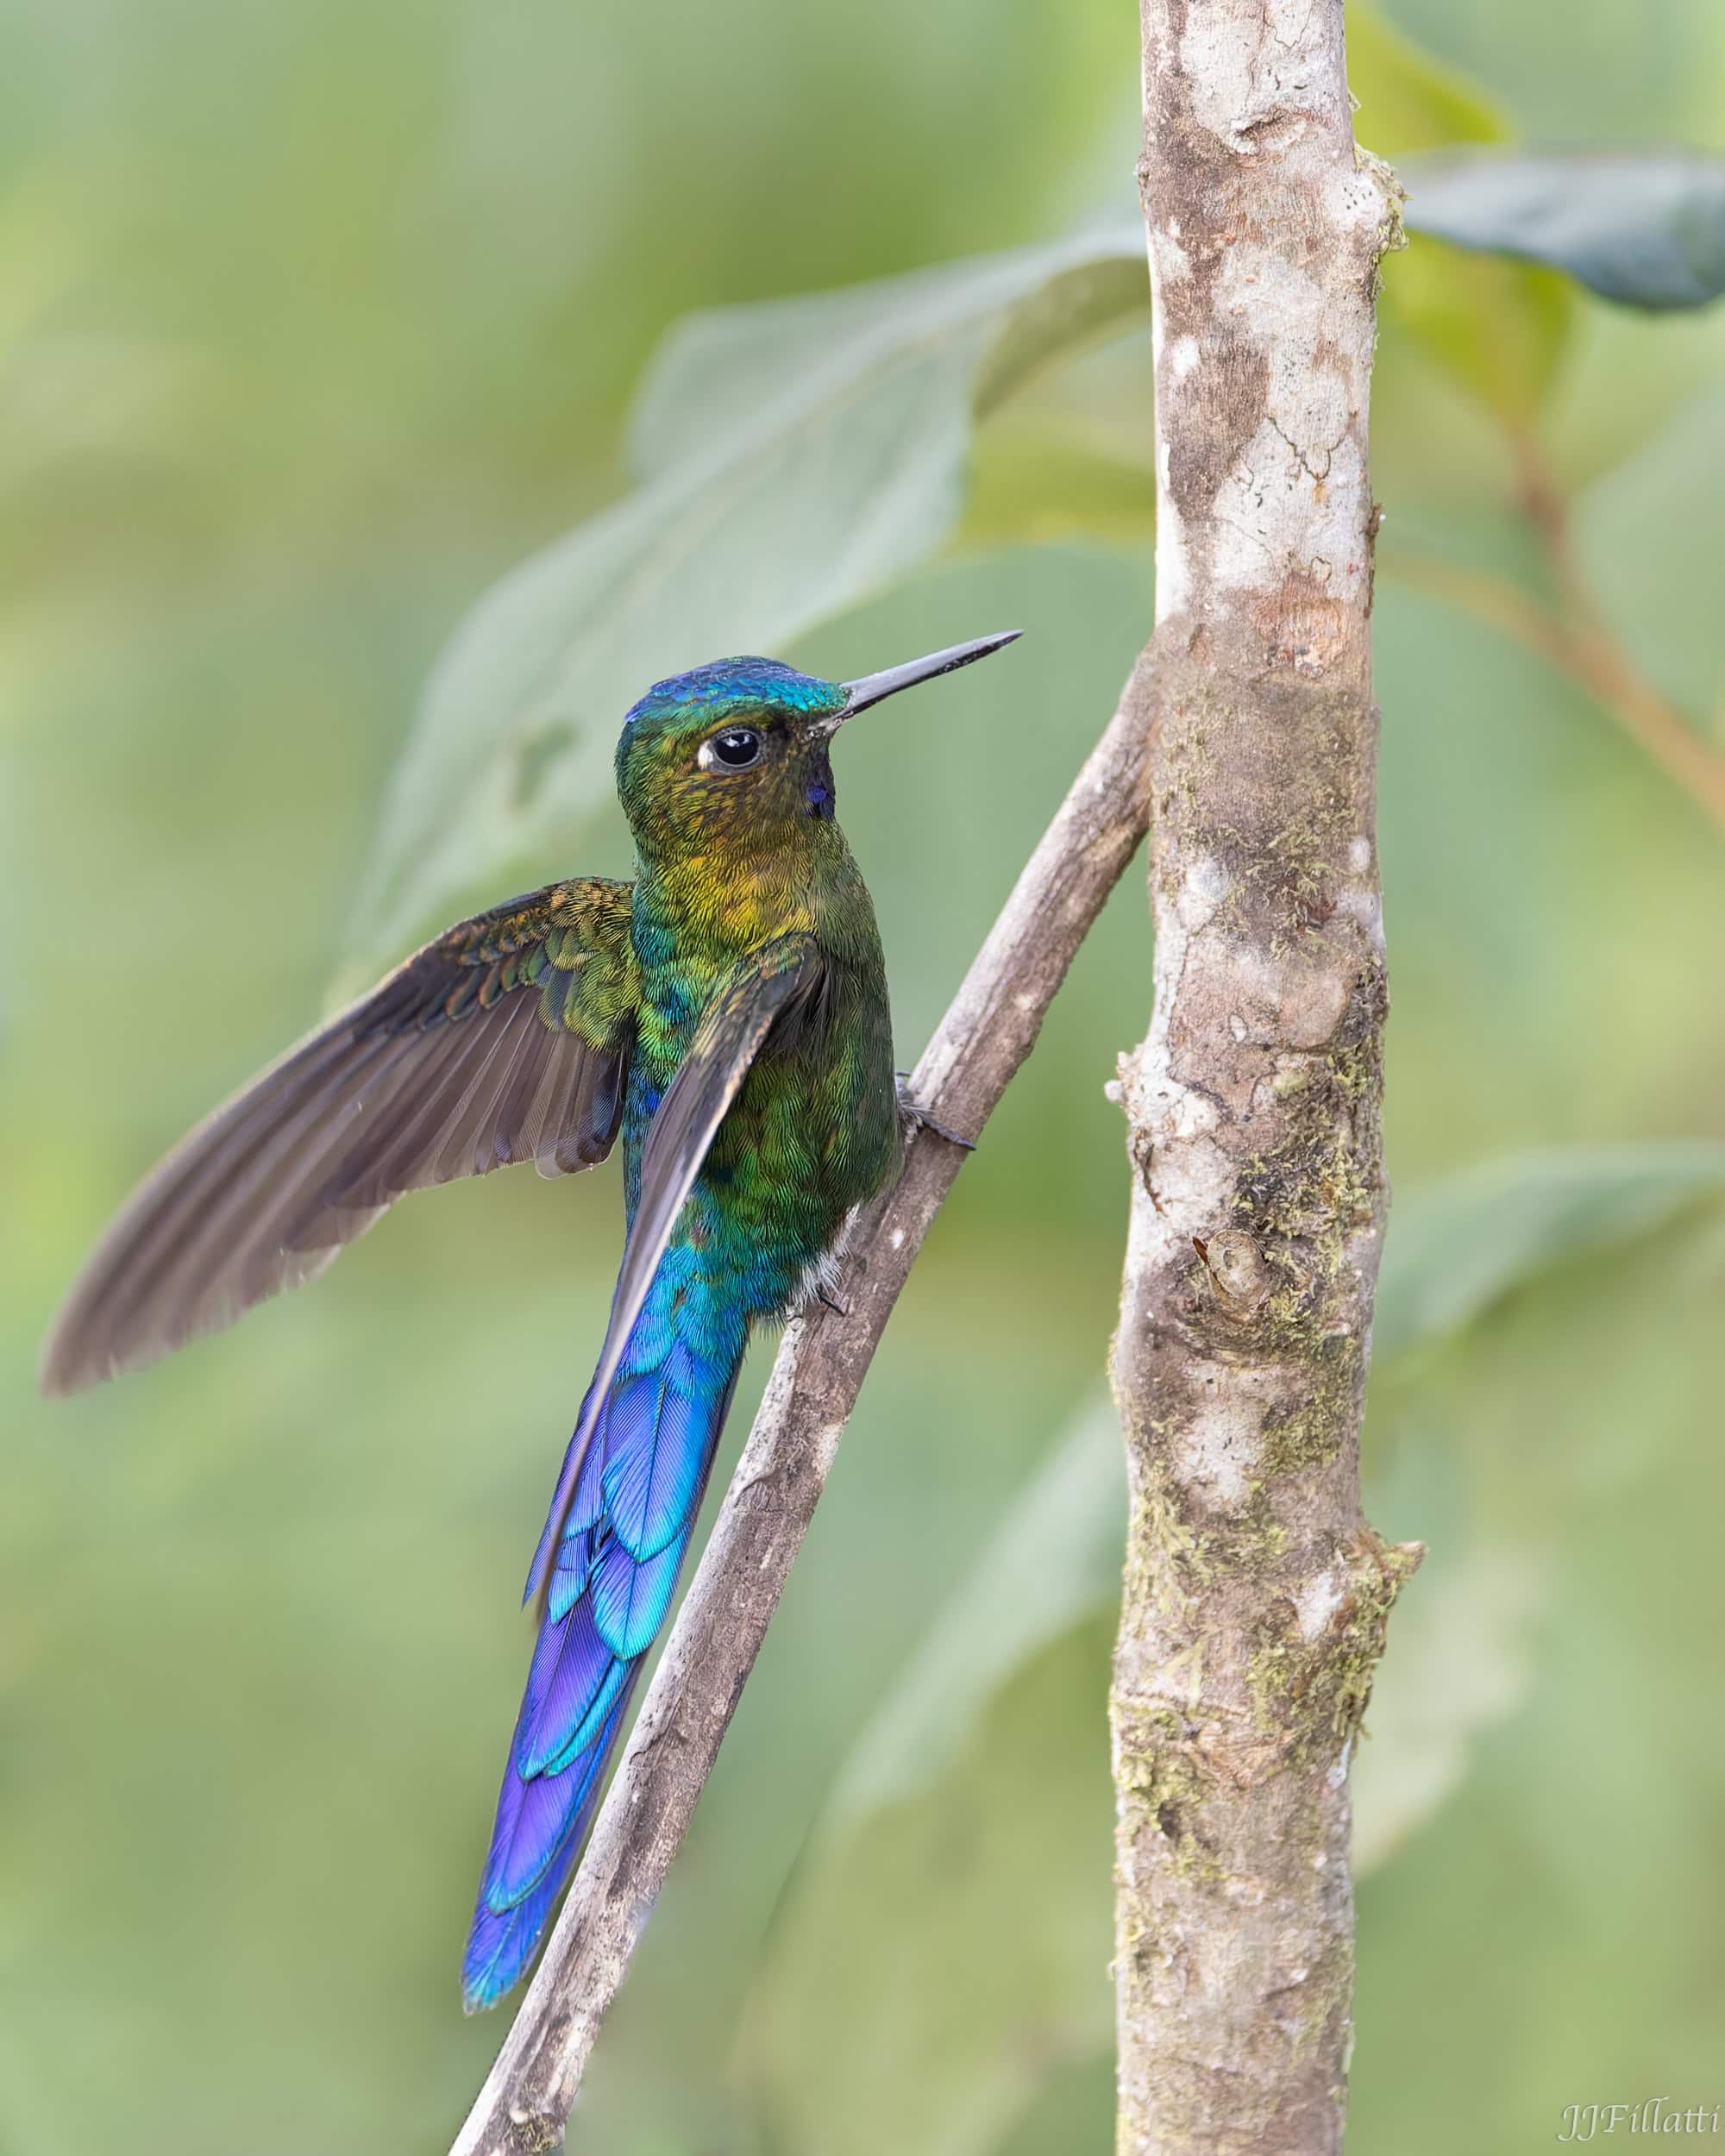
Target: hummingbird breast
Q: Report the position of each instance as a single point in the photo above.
(813, 1134)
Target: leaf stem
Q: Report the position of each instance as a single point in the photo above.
(1574, 636)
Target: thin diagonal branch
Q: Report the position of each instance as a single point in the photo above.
(1597, 658)
(986, 1035)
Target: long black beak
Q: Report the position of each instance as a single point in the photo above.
(875, 689)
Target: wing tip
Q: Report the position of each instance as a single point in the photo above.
(71, 1364)
(67, 1366)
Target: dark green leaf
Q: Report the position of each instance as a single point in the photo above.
(1644, 228)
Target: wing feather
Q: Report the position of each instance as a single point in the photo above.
(506, 1039)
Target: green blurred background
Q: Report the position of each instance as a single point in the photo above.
(313, 320)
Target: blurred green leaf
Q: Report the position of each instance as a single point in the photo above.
(928, 2033)
(1498, 329)
(1660, 597)
(733, 368)
(1408, 101)
(961, 1817)
(1035, 485)
(1054, 1560)
(399, 286)
(975, 1808)
(800, 455)
(1455, 1250)
(1644, 228)
(984, 1911)
(1457, 1661)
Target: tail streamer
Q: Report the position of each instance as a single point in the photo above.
(613, 1574)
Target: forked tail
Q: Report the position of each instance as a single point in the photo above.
(613, 1574)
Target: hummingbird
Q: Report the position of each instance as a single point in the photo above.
(726, 1011)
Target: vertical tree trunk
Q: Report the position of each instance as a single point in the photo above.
(1256, 1595)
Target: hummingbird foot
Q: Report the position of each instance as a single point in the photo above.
(823, 1294)
(919, 1119)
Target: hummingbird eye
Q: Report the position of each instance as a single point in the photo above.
(735, 749)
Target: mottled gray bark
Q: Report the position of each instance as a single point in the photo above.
(1256, 1595)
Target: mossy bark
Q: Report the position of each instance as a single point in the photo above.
(1256, 1596)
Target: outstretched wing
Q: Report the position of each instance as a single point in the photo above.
(759, 990)
(506, 1039)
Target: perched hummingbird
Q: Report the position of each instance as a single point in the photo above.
(726, 1012)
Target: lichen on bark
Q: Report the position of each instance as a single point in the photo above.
(1256, 1596)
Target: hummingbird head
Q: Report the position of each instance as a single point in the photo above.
(736, 755)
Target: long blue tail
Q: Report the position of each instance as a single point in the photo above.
(615, 1571)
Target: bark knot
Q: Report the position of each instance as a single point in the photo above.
(1236, 1270)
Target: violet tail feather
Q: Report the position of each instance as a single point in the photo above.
(613, 1574)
